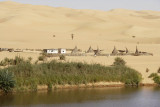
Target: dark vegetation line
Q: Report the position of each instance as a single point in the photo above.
(21, 74)
(156, 77)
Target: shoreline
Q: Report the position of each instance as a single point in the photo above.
(92, 85)
(80, 86)
(89, 85)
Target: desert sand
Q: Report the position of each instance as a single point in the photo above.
(33, 26)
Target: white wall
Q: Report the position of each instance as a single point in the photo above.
(52, 51)
(55, 51)
(63, 51)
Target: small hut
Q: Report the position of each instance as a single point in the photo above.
(90, 50)
(75, 50)
(11, 50)
(97, 52)
(137, 52)
(115, 51)
(127, 51)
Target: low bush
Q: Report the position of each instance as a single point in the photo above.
(18, 60)
(30, 59)
(42, 58)
(119, 62)
(7, 81)
(15, 61)
(155, 77)
(62, 57)
(3, 63)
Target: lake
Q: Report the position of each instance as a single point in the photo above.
(87, 97)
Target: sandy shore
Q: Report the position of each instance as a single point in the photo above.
(90, 85)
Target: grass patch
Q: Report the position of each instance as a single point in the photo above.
(155, 77)
(59, 73)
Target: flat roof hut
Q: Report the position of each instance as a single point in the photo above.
(90, 50)
(115, 51)
(75, 50)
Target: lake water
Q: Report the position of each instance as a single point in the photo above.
(89, 97)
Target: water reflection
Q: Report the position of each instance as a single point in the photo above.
(93, 97)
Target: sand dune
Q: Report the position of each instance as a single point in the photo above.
(25, 25)
(33, 26)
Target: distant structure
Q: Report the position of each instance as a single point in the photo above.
(97, 52)
(62, 51)
(140, 53)
(115, 51)
(3, 49)
(127, 51)
(90, 50)
(137, 52)
(72, 36)
(147, 70)
(75, 50)
(16, 50)
(51, 51)
(55, 51)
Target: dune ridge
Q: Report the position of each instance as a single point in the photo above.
(27, 23)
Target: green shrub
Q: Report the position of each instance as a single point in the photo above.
(30, 59)
(3, 63)
(36, 62)
(156, 78)
(119, 62)
(153, 75)
(7, 81)
(62, 57)
(17, 60)
(42, 58)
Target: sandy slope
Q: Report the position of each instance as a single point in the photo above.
(32, 26)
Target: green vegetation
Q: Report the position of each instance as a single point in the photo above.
(62, 57)
(59, 73)
(7, 81)
(119, 62)
(15, 61)
(156, 78)
(29, 59)
(42, 58)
